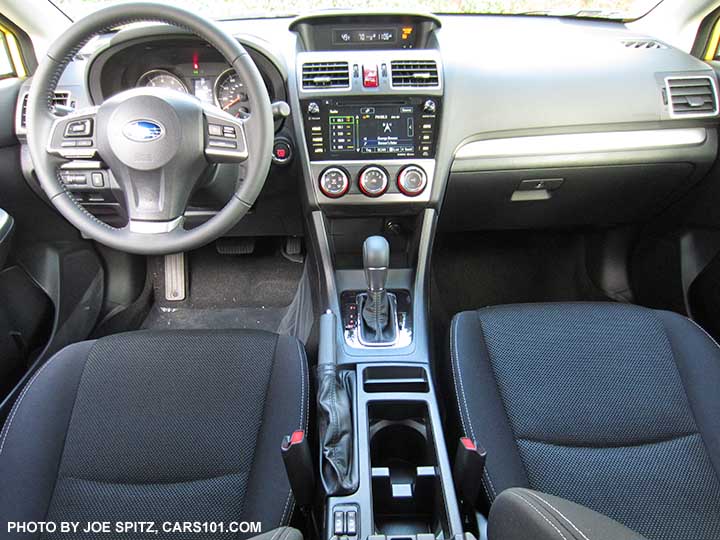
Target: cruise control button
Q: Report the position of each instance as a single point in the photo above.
(223, 144)
(97, 180)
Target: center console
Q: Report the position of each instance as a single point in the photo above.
(369, 90)
(369, 125)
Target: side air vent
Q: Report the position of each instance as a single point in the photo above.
(643, 44)
(414, 73)
(691, 96)
(60, 98)
(319, 75)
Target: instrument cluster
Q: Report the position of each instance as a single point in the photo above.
(182, 64)
(226, 90)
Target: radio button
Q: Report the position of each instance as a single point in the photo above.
(412, 180)
(334, 182)
(373, 181)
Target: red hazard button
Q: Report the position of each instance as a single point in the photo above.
(370, 76)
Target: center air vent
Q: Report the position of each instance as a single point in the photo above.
(414, 73)
(325, 75)
(643, 44)
(691, 96)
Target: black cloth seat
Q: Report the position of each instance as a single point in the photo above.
(614, 407)
(157, 426)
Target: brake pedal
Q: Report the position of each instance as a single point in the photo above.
(235, 246)
(175, 277)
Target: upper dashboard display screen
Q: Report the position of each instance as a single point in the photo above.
(386, 35)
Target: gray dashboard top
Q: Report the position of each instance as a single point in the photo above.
(510, 74)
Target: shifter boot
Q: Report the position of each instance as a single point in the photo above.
(376, 313)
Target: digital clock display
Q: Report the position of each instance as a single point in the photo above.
(365, 35)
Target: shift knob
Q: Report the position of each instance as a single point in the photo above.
(376, 259)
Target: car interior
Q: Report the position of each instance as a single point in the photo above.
(362, 270)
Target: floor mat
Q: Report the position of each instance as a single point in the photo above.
(473, 270)
(263, 291)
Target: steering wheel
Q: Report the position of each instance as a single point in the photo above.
(156, 142)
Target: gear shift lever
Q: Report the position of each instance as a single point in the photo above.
(376, 259)
(376, 307)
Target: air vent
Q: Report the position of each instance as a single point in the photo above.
(60, 98)
(414, 73)
(691, 96)
(643, 44)
(325, 75)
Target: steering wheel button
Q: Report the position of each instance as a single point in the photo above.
(79, 128)
(85, 143)
(223, 144)
(215, 130)
(97, 180)
(68, 144)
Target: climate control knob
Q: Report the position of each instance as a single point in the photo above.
(373, 181)
(334, 182)
(412, 180)
(429, 106)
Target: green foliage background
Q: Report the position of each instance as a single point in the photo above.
(247, 8)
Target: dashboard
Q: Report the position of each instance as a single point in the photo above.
(504, 122)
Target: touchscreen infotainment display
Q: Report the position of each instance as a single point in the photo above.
(372, 129)
(353, 128)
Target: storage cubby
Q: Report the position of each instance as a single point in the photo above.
(407, 489)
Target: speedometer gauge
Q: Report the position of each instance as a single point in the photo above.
(160, 78)
(230, 93)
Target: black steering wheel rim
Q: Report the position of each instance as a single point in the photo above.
(41, 121)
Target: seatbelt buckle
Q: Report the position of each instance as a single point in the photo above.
(468, 470)
(298, 462)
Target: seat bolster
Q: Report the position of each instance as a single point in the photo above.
(286, 410)
(697, 357)
(481, 409)
(281, 533)
(32, 441)
(519, 514)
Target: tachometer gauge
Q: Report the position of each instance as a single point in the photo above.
(230, 93)
(160, 78)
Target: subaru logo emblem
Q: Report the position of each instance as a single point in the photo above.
(143, 130)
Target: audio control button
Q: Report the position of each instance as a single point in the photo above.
(373, 181)
(412, 180)
(334, 182)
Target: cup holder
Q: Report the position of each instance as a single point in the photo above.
(407, 490)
